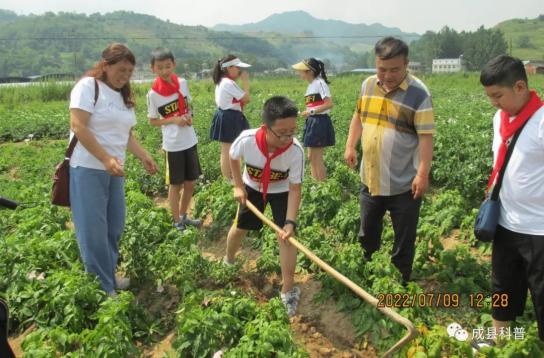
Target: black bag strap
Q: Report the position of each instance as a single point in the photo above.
(73, 142)
(498, 184)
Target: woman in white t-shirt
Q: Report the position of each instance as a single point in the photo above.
(318, 128)
(103, 128)
(229, 120)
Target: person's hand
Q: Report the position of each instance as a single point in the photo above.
(188, 119)
(240, 194)
(114, 166)
(244, 76)
(288, 231)
(305, 113)
(149, 164)
(420, 185)
(350, 156)
(179, 121)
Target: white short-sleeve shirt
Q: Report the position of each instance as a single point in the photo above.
(110, 122)
(228, 94)
(522, 191)
(174, 137)
(286, 168)
(316, 93)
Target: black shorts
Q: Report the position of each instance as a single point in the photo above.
(246, 220)
(517, 265)
(318, 131)
(182, 166)
(227, 125)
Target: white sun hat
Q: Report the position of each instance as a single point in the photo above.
(235, 62)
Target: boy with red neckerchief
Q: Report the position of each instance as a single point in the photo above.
(518, 246)
(273, 173)
(168, 104)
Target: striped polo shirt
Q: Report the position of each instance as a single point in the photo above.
(391, 123)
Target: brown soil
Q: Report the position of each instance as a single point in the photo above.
(451, 241)
(16, 342)
(318, 327)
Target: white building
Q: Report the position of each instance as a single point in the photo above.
(448, 65)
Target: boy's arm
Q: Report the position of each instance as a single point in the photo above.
(293, 204)
(239, 190)
(177, 120)
(154, 117)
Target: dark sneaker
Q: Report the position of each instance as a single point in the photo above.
(180, 226)
(190, 222)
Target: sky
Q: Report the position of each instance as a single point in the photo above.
(408, 15)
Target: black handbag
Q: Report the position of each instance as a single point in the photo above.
(490, 210)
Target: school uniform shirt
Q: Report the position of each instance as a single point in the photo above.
(286, 168)
(110, 122)
(391, 124)
(316, 93)
(174, 137)
(228, 95)
(522, 190)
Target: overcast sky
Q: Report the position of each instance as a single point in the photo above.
(408, 15)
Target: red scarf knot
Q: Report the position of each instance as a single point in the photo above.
(263, 147)
(165, 88)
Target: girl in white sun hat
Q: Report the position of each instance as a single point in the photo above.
(318, 129)
(229, 120)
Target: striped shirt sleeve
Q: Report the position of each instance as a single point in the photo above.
(424, 117)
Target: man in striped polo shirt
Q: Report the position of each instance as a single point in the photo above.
(394, 120)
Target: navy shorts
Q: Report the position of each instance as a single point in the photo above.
(318, 131)
(246, 220)
(517, 266)
(182, 166)
(227, 125)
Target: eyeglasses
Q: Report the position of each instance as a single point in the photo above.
(284, 137)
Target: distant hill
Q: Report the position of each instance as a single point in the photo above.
(70, 43)
(297, 22)
(526, 37)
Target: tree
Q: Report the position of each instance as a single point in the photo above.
(483, 45)
(525, 42)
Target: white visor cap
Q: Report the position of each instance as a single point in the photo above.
(235, 62)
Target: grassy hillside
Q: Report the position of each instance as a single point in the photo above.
(69, 42)
(526, 37)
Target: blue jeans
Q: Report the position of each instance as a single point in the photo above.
(97, 200)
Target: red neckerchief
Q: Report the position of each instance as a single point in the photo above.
(260, 137)
(234, 100)
(165, 88)
(509, 128)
